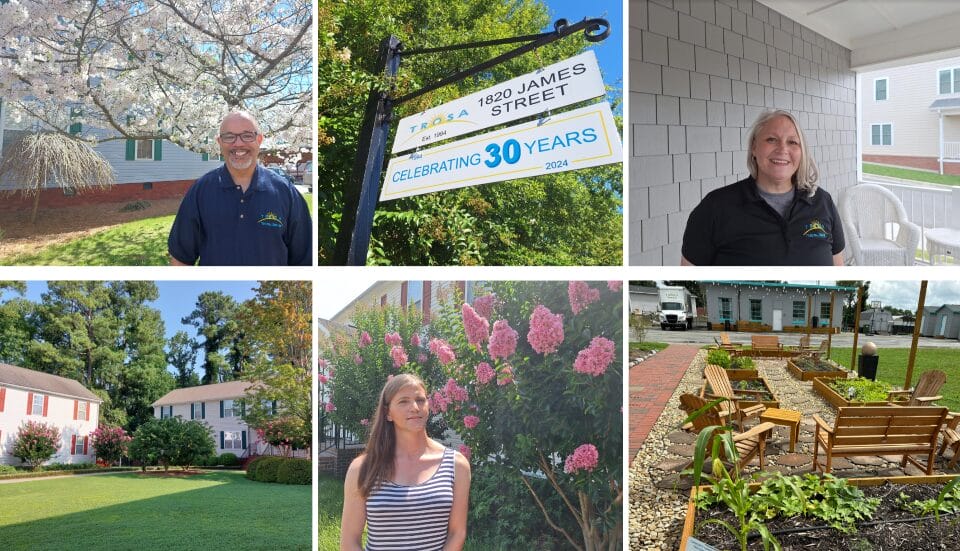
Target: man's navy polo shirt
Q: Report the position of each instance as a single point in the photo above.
(218, 223)
(734, 226)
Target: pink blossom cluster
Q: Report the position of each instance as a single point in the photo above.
(484, 305)
(584, 458)
(328, 407)
(546, 330)
(476, 326)
(581, 295)
(323, 379)
(484, 373)
(594, 359)
(365, 339)
(455, 392)
(422, 358)
(399, 356)
(615, 285)
(505, 377)
(415, 340)
(357, 359)
(439, 403)
(471, 421)
(503, 341)
(364, 422)
(442, 351)
(393, 339)
(465, 451)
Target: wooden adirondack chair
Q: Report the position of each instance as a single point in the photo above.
(749, 444)
(925, 393)
(722, 388)
(725, 344)
(815, 354)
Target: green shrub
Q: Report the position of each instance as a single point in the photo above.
(252, 466)
(267, 469)
(861, 389)
(7, 469)
(228, 460)
(742, 362)
(295, 471)
(69, 466)
(719, 357)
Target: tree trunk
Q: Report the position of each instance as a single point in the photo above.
(36, 205)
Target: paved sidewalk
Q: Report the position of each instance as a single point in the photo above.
(652, 383)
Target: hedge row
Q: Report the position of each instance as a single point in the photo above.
(44, 474)
(282, 470)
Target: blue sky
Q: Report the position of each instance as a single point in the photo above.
(610, 51)
(177, 298)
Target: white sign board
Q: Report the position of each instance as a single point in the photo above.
(580, 138)
(569, 81)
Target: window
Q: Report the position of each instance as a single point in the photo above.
(725, 312)
(799, 312)
(82, 411)
(37, 407)
(166, 411)
(231, 408)
(824, 314)
(78, 445)
(198, 410)
(880, 89)
(415, 295)
(144, 150)
(949, 81)
(232, 440)
(881, 134)
(756, 309)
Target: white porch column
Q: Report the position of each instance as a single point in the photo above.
(940, 112)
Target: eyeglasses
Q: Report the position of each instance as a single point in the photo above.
(245, 137)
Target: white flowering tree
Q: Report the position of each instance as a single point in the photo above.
(158, 69)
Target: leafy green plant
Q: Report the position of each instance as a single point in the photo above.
(293, 470)
(947, 501)
(742, 362)
(7, 469)
(36, 443)
(228, 459)
(861, 389)
(719, 357)
(267, 469)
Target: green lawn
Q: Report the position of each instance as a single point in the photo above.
(139, 243)
(219, 510)
(893, 368)
(911, 174)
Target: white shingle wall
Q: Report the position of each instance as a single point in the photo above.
(59, 414)
(701, 71)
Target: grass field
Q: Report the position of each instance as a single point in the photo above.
(140, 243)
(647, 345)
(910, 174)
(220, 510)
(893, 368)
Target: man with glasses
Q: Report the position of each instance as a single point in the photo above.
(241, 214)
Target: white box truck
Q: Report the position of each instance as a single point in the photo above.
(677, 308)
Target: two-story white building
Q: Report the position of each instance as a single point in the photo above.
(28, 395)
(221, 407)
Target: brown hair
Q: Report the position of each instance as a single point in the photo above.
(382, 444)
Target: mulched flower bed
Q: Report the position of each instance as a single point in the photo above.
(894, 528)
(806, 369)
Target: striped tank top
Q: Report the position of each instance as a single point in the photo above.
(412, 518)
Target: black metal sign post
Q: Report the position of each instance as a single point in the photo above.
(360, 199)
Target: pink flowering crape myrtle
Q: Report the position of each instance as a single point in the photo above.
(475, 326)
(484, 373)
(365, 339)
(594, 359)
(399, 356)
(546, 330)
(471, 421)
(393, 339)
(584, 458)
(484, 305)
(503, 341)
(442, 351)
(581, 295)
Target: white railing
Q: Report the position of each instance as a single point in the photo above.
(951, 150)
(926, 206)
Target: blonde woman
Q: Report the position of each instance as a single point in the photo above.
(407, 489)
(776, 217)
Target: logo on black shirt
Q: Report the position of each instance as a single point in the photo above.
(270, 220)
(815, 230)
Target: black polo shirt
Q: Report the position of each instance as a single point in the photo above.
(734, 226)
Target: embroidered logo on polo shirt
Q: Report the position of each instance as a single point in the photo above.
(815, 230)
(270, 220)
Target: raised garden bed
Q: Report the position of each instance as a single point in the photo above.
(823, 370)
(891, 526)
(750, 381)
(822, 387)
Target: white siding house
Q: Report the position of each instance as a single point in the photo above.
(221, 407)
(28, 395)
(423, 295)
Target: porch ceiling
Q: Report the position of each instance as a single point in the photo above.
(881, 33)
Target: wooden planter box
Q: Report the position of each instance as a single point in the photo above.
(741, 374)
(691, 520)
(811, 375)
(822, 388)
(749, 375)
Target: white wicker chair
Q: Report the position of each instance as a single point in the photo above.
(876, 227)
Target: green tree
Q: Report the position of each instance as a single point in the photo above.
(36, 442)
(172, 442)
(214, 318)
(110, 443)
(278, 327)
(16, 331)
(570, 218)
(181, 354)
(849, 306)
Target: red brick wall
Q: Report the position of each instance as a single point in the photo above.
(118, 193)
(922, 163)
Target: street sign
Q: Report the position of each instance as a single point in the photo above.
(580, 138)
(564, 83)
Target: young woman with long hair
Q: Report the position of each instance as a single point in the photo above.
(407, 489)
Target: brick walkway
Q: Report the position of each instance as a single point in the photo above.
(652, 382)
